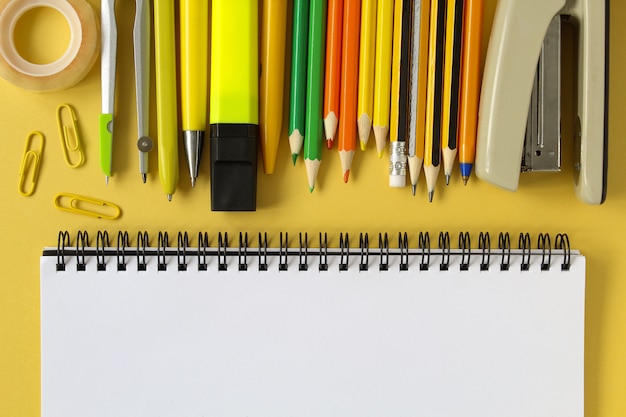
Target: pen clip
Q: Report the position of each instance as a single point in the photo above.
(70, 138)
(87, 206)
(31, 162)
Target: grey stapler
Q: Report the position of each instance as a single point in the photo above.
(522, 72)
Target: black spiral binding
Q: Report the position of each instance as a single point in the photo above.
(63, 242)
(444, 246)
(303, 253)
(283, 253)
(524, 245)
(123, 242)
(323, 262)
(163, 244)
(364, 249)
(562, 242)
(203, 246)
(142, 242)
(466, 246)
(504, 244)
(403, 246)
(384, 251)
(543, 243)
(82, 241)
(484, 244)
(263, 252)
(242, 252)
(222, 246)
(102, 242)
(181, 250)
(423, 244)
(344, 252)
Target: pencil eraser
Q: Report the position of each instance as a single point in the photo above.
(233, 166)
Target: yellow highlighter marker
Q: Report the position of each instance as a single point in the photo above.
(194, 63)
(234, 101)
(167, 123)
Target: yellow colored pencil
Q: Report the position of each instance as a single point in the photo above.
(451, 84)
(382, 73)
(273, 45)
(432, 131)
(367, 55)
(400, 78)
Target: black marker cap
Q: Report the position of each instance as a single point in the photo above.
(233, 166)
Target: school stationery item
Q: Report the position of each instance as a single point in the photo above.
(108, 64)
(234, 111)
(136, 327)
(71, 67)
(31, 162)
(141, 46)
(518, 32)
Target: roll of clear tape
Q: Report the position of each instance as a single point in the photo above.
(71, 67)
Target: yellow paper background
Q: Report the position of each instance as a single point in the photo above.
(543, 203)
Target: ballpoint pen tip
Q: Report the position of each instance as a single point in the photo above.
(106, 179)
(169, 197)
(465, 180)
(193, 182)
(144, 177)
(430, 196)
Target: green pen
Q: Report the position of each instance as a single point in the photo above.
(297, 91)
(313, 129)
(234, 104)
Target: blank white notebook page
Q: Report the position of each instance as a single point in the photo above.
(312, 343)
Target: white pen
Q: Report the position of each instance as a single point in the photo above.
(108, 62)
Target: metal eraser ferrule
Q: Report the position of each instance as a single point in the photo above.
(397, 164)
(234, 166)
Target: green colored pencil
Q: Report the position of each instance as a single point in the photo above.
(297, 102)
(313, 131)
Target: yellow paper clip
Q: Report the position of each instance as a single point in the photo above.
(87, 206)
(70, 139)
(31, 161)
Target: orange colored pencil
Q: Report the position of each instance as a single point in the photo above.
(470, 85)
(332, 77)
(347, 135)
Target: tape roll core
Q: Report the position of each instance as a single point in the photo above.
(66, 71)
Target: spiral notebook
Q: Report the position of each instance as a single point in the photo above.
(363, 327)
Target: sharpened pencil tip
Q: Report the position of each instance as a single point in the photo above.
(430, 196)
(294, 158)
(413, 188)
(144, 177)
(363, 146)
(311, 189)
(346, 175)
(329, 143)
(380, 154)
(447, 179)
